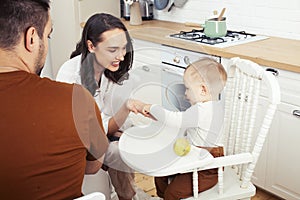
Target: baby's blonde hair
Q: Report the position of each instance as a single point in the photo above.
(211, 72)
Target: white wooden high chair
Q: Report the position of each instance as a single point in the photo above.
(245, 130)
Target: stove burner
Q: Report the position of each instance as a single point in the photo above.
(199, 36)
(192, 35)
(212, 41)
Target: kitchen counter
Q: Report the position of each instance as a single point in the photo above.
(274, 52)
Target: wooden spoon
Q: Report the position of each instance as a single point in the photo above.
(192, 24)
(221, 14)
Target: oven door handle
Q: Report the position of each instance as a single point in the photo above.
(172, 71)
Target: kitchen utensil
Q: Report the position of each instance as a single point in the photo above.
(171, 7)
(146, 7)
(125, 10)
(135, 14)
(192, 24)
(178, 4)
(214, 28)
(216, 19)
(221, 14)
(161, 4)
(129, 2)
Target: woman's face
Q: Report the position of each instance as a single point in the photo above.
(111, 51)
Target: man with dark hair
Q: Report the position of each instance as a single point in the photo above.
(50, 133)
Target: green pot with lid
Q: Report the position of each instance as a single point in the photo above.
(214, 28)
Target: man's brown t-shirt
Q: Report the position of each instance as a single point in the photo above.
(47, 132)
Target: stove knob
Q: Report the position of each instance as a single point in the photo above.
(186, 60)
(176, 59)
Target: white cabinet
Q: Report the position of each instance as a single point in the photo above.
(282, 163)
(147, 71)
(146, 53)
(278, 165)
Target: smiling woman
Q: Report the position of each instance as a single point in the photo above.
(101, 63)
(110, 52)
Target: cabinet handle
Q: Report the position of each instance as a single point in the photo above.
(186, 60)
(146, 68)
(296, 113)
(273, 71)
(176, 59)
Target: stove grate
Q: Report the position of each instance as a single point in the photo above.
(199, 36)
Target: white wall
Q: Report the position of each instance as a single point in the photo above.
(67, 16)
(66, 31)
(47, 70)
(267, 17)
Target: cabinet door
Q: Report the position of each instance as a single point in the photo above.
(147, 69)
(148, 87)
(147, 53)
(283, 162)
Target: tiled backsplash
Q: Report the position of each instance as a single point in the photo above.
(267, 17)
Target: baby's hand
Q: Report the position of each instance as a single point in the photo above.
(146, 109)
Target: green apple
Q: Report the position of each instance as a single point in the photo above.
(182, 146)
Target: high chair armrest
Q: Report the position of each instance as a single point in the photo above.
(203, 164)
(230, 160)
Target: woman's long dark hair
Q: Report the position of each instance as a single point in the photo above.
(93, 29)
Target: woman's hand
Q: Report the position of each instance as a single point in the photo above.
(131, 105)
(137, 106)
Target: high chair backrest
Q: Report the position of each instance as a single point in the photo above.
(243, 131)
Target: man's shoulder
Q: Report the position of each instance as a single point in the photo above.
(48, 86)
(62, 91)
(46, 82)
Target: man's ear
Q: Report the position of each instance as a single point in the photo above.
(90, 46)
(30, 39)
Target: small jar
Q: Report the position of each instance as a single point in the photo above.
(135, 14)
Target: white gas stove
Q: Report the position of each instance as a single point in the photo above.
(232, 38)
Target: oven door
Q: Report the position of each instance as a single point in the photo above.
(173, 92)
(160, 84)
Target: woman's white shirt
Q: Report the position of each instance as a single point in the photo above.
(109, 97)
